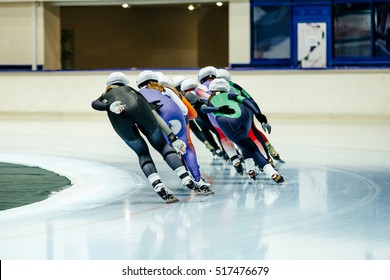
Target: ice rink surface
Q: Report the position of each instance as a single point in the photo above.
(335, 204)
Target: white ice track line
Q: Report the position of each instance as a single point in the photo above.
(88, 190)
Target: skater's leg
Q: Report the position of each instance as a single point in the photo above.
(148, 167)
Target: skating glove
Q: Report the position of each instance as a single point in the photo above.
(177, 144)
(117, 107)
(225, 109)
(264, 122)
(155, 106)
(266, 127)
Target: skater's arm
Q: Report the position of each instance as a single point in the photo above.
(245, 101)
(100, 104)
(194, 100)
(256, 110)
(177, 144)
(225, 109)
(244, 93)
(202, 92)
(208, 109)
(163, 125)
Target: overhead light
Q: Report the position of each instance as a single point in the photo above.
(125, 6)
(219, 4)
(191, 7)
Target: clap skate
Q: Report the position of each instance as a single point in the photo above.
(203, 187)
(277, 178)
(252, 174)
(239, 168)
(273, 174)
(273, 153)
(167, 197)
(251, 168)
(192, 186)
(219, 153)
(276, 156)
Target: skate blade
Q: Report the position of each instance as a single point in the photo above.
(283, 184)
(171, 200)
(204, 193)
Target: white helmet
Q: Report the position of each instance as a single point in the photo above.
(224, 74)
(219, 84)
(145, 76)
(188, 84)
(206, 72)
(177, 80)
(164, 79)
(117, 78)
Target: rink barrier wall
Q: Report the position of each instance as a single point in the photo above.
(313, 94)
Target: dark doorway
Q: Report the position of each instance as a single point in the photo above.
(146, 36)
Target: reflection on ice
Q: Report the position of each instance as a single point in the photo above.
(333, 205)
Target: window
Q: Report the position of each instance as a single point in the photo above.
(271, 32)
(357, 32)
(352, 30)
(382, 30)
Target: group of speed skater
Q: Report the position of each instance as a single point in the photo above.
(219, 112)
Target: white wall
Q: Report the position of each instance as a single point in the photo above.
(338, 94)
(239, 32)
(20, 43)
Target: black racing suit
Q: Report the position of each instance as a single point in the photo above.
(137, 117)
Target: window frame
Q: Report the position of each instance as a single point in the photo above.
(333, 62)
